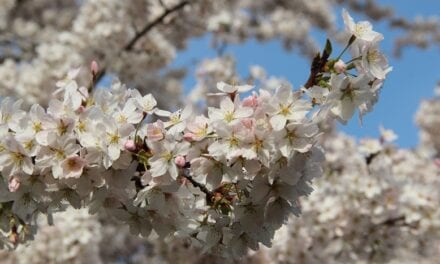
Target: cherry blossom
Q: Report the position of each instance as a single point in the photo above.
(225, 181)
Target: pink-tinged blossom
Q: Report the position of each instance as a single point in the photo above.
(198, 129)
(73, 166)
(189, 136)
(180, 161)
(155, 131)
(250, 101)
(14, 184)
(51, 157)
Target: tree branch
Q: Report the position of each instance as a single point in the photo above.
(318, 65)
(147, 28)
(202, 187)
(154, 23)
(13, 57)
(209, 194)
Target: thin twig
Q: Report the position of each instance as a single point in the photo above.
(209, 194)
(154, 23)
(147, 28)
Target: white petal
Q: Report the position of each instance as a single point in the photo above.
(227, 105)
(278, 122)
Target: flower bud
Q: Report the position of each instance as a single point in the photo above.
(14, 184)
(248, 122)
(250, 101)
(188, 136)
(180, 161)
(130, 145)
(340, 66)
(94, 68)
(81, 109)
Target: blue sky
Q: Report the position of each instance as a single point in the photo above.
(413, 78)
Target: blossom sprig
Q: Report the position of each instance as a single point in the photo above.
(226, 181)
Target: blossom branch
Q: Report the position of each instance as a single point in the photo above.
(264, 152)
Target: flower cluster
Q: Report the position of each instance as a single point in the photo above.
(225, 181)
(375, 203)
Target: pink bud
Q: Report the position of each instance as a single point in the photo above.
(130, 145)
(188, 136)
(250, 101)
(94, 67)
(180, 161)
(81, 109)
(248, 122)
(437, 162)
(14, 184)
(340, 66)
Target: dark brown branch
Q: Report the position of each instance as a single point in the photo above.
(148, 27)
(396, 221)
(162, 4)
(209, 194)
(202, 187)
(392, 221)
(13, 57)
(318, 64)
(154, 23)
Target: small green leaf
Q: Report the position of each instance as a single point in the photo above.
(328, 49)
